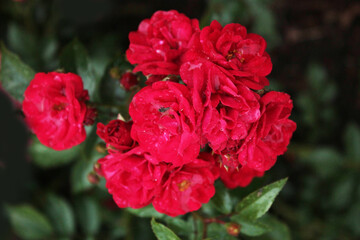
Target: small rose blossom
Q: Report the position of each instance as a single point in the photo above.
(159, 43)
(185, 189)
(116, 135)
(165, 122)
(270, 136)
(128, 80)
(130, 178)
(238, 54)
(55, 109)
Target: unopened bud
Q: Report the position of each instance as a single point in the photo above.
(100, 148)
(93, 178)
(233, 229)
(115, 73)
(129, 80)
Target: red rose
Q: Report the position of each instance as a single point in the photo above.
(269, 137)
(55, 109)
(159, 43)
(238, 177)
(238, 54)
(128, 80)
(130, 178)
(227, 119)
(116, 135)
(165, 122)
(185, 189)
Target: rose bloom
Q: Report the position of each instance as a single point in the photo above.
(55, 109)
(227, 109)
(270, 136)
(165, 122)
(185, 189)
(238, 54)
(116, 135)
(159, 43)
(130, 178)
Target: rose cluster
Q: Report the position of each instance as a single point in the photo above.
(218, 121)
(203, 115)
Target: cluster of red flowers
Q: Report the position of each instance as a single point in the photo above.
(156, 158)
(204, 114)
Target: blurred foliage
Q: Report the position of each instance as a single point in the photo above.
(321, 200)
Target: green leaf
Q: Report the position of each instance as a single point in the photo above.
(45, 157)
(352, 142)
(222, 200)
(256, 204)
(80, 171)
(250, 227)
(15, 75)
(218, 231)
(279, 230)
(74, 58)
(162, 232)
(87, 212)
(146, 212)
(61, 215)
(28, 223)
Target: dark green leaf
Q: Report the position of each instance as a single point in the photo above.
(279, 230)
(61, 215)
(162, 232)
(250, 227)
(80, 171)
(75, 59)
(28, 223)
(87, 212)
(47, 158)
(352, 142)
(148, 212)
(15, 75)
(258, 203)
(222, 200)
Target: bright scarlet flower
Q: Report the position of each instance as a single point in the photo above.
(238, 177)
(165, 122)
(55, 109)
(269, 137)
(116, 135)
(238, 54)
(130, 178)
(185, 189)
(159, 43)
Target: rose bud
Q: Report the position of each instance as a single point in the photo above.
(128, 80)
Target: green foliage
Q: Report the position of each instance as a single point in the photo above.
(249, 227)
(15, 75)
(352, 142)
(146, 212)
(258, 203)
(88, 215)
(162, 232)
(45, 157)
(61, 215)
(28, 223)
(222, 200)
(74, 58)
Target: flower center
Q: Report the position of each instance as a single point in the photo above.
(59, 107)
(185, 184)
(235, 53)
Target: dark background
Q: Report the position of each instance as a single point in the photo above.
(315, 49)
